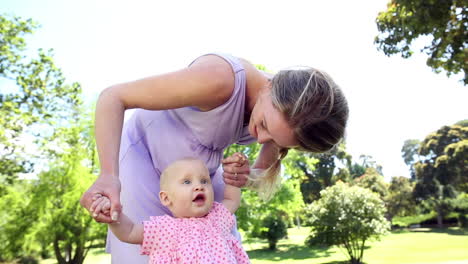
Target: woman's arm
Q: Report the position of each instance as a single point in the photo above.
(206, 84)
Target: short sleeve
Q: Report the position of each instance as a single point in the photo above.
(153, 231)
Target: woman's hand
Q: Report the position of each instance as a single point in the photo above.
(236, 169)
(101, 204)
(108, 186)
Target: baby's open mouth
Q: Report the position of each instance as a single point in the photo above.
(199, 198)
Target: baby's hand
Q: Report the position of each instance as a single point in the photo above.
(236, 169)
(101, 204)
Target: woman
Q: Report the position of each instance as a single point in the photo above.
(198, 111)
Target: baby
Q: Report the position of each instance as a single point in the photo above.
(199, 230)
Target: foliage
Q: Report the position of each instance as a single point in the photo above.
(373, 181)
(463, 123)
(274, 229)
(348, 217)
(409, 152)
(399, 200)
(443, 169)
(43, 214)
(65, 223)
(444, 20)
(405, 221)
(287, 202)
(357, 169)
(461, 207)
(36, 98)
(55, 220)
(15, 217)
(319, 171)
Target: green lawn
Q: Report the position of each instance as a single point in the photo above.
(428, 246)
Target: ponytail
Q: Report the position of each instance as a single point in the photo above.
(267, 182)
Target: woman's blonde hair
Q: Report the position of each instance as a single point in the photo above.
(315, 108)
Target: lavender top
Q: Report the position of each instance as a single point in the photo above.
(151, 140)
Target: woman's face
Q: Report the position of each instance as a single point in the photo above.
(268, 124)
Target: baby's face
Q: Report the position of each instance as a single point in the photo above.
(189, 189)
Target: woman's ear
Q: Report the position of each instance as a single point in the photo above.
(164, 198)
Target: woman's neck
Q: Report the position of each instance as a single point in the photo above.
(255, 85)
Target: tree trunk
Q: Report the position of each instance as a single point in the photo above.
(272, 245)
(440, 219)
(79, 254)
(355, 261)
(58, 255)
(298, 220)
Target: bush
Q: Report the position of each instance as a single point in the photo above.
(318, 239)
(463, 220)
(274, 229)
(424, 219)
(406, 221)
(28, 260)
(348, 217)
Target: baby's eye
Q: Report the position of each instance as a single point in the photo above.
(204, 181)
(187, 181)
(263, 123)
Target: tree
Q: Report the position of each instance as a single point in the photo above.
(444, 20)
(287, 203)
(373, 181)
(443, 169)
(15, 217)
(347, 217)
(463, 123)
(399, 200)
(318, 178)
(274, 229)
(38, 104)
(320, 171)
(409, 152)
(46, 214)
(37, 98)
(357, 169)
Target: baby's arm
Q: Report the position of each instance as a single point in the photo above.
(124, 229)
(232, 197)
(232, 194)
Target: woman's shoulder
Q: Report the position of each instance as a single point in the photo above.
(217, 71)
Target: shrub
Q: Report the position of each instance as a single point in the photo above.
(274, 229)
(348, 217)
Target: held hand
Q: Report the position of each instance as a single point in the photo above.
(101, 204)
(108, 187)
(236, 169)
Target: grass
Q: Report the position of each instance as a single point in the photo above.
(418, 246)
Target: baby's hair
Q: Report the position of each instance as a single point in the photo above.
(164, 179)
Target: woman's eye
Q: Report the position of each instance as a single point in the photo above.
(187, 182)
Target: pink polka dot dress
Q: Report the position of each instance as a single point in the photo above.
(204, 240)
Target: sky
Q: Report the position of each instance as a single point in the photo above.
(101, 43)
